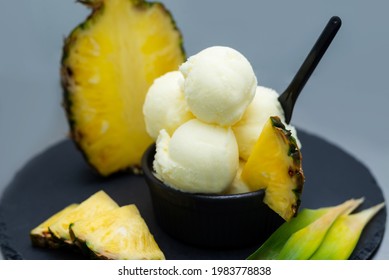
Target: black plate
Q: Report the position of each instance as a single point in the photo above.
(60, 176)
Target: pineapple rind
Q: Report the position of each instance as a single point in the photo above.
(117, 152)
(293, 152)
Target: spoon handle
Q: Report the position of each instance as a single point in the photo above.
(289, 96)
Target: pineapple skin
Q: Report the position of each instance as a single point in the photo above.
(67, 79)
(294, 152)
(295, 171)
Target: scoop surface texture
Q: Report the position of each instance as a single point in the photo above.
(219, 85)
(198, 158)
(165, 106)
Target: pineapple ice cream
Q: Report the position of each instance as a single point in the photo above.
(165, 106)
(219, 85)
(198, 158)
(206, 118)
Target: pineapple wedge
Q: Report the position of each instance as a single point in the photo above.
(92, 207)
(275, 165)
(108, 63)
(41, 236)
(117, 234)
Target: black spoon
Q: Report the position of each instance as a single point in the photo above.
(289, 96)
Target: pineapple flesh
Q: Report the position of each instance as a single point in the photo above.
(275, 165)
(108, 63)
(120, 234)
(92, 207)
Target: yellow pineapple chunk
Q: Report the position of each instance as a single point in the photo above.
(109, 61)
(275, 165)
(92, 207)
(117, 234)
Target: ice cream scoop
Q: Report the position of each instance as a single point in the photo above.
(219, 85)
(165, 106)
(264, 105)
(198, 158)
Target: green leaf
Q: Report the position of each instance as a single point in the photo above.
(274, 245)
(344, 235)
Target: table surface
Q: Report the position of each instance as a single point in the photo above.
(343, 102)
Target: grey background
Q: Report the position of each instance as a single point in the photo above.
(345, 101)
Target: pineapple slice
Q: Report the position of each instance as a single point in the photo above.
(108, 63)
(275, 165)
(118, 234)
(41, 236)
(92, 207)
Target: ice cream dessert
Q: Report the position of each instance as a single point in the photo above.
(198, 158)
(219, 85)
(235, 140)
(165, 106)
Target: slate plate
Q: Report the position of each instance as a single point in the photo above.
(59, 176)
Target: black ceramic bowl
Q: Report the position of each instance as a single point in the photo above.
(213, 221)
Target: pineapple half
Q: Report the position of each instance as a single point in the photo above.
(275, 164)
(119, 234)
(108, 63)
(92, 207)
(41, 236)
